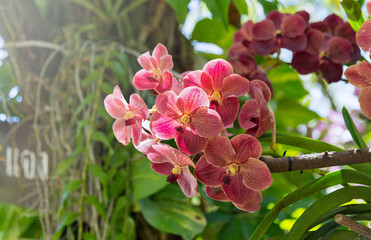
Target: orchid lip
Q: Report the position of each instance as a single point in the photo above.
(185, 118)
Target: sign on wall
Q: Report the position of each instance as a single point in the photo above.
(22, 166)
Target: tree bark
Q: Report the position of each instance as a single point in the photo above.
(317, 160)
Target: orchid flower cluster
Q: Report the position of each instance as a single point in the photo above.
(360, 74)
(320, 46)
(196, 112)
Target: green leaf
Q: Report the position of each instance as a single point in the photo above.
(286, 82)
(241, 6)
(63, 166)
(324, 205)
(290, 113)
(345, 235)
(70, 187)
(90, 78)
(331, 179)
(354, 13)
(268, 5)
(98, 172)
(88, 100)
(144, 180)
(302, 142)
(173, 214)
(212, 31)
(352, 129)
(90, 6)
(118, 184)
(233, 229)
(102, 137)
(69, 218)
(219, 10)
(181, 9)
(93, 200)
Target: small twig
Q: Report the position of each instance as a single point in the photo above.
(323, 84)
(317, 160)
(36, 43)
(353, 225)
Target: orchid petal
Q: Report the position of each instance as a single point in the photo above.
(114, 106)
(194, 98)
(144, 80)
(146, 61)
(356, 78)
(218, 69)
(159, 51)
(189, 142)
(137, 103)
(208, 174)
(339, 50)
(219, 151)
(187, 182)
(256, 174)
(169, 104)
(206, 122)
(216, 193)
(253, 205)
(236, 190)
(192, 78)
(165, 83)
(163, 127)
(365, 100)
(246, 146)
(121, 131)
(234, 86)
(227, 109)
(162, 168)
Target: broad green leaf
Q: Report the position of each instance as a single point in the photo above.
(331, 179)
(144, 180)
(268, 5)
(352, 129)
(181, 9)
(286, 82)
(360, 2)
(173, 214)
(241, 6)
(354, 13)
(93, 200)
(102, 137)
(324, 205)
(290, 113)
(233, 229)
(302, 142)
(219, 10)
(212, 31)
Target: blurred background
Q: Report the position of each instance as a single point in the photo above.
(60, 58)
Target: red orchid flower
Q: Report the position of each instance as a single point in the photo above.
(169, 161)
(155, 74)
(255, 115)
(129, 117)
(222, 86)
(234, 167)
(187, 118)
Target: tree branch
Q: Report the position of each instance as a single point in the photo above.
(317, 160)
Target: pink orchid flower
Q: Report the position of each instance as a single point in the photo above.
(128, 117)
(234, 167)
(255, 115)
(155, 74)
(187, 118)
(169, 161)
(222, 86)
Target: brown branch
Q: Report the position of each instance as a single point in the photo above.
(317, 160)
(353, 225)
